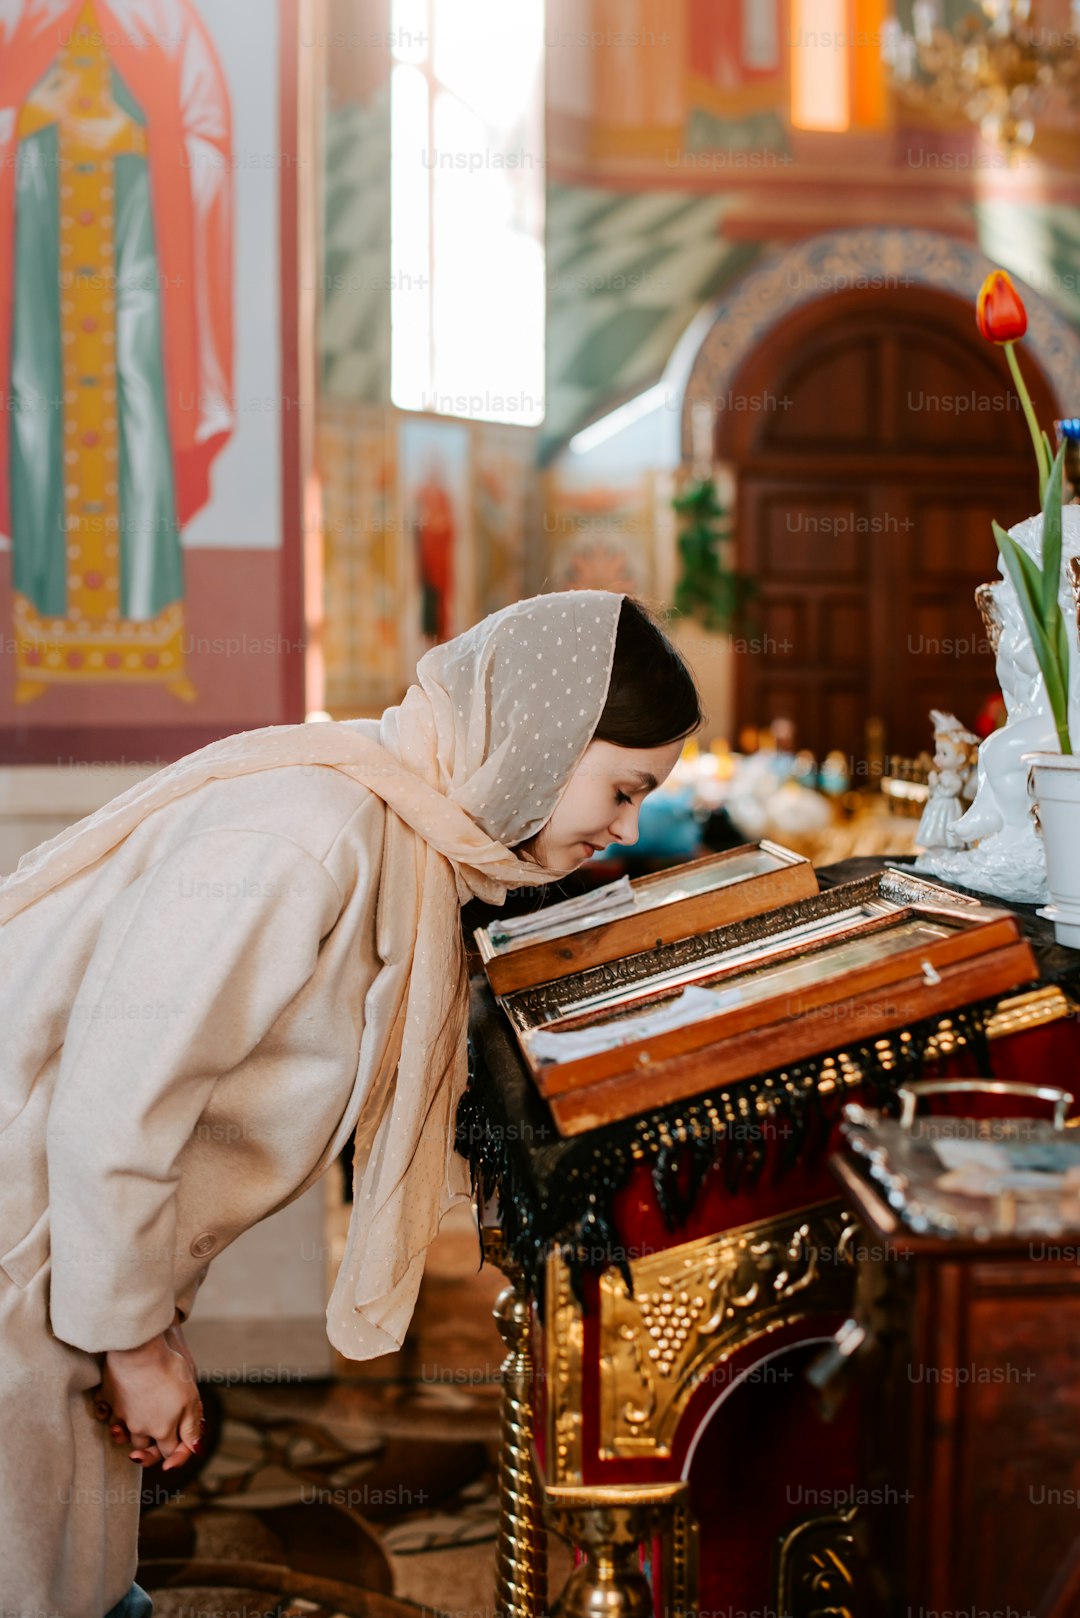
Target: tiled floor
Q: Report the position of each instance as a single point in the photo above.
(386, 1475)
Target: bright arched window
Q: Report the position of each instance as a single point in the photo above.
(467, 208)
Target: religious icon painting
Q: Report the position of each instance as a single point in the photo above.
(737, 1000)
(628, 916)
(736, 75)
(437, 531)
(362, 557)
(503, 473)
(149, 338)
(598, 530)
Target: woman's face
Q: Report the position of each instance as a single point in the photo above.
(601, 802)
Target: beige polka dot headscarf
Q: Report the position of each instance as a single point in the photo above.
(472, 762)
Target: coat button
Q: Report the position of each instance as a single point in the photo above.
(203, 1245)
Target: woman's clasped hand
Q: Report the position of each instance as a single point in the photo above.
(150, 1398)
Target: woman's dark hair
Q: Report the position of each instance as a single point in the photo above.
(652, 698)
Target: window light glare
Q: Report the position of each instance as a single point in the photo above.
(617, 420)
(820, 65)
(410, 238)
(410, 30)
(467, 212)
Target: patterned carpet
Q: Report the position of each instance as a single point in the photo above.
(384, 1477)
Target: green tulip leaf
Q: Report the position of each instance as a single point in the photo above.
(1025, 565)
(1028, 584)
(1051, 537)
(1060, 638)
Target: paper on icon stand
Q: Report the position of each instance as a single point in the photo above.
(614, 896)
(567, 1045)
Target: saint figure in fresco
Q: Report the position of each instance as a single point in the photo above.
(435, 540)
(115, 328)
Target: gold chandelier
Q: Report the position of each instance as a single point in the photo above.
(997, 67)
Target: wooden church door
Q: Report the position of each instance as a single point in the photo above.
(874, 435)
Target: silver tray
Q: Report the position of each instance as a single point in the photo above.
(973, 1177)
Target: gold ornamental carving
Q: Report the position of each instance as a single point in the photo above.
(651, 1382)
(564, 1343)
(1019, 1012)
(606, 1524)
(696, 1304)
(990, 613)
(819, 1568)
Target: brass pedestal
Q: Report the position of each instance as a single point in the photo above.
(605, 1524)
(608, 1524)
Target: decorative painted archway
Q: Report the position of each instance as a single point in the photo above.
(711, 351)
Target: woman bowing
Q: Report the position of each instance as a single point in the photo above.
(212, 983)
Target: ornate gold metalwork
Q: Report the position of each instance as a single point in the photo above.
(1001, 71)
(1022, 1011)
(817, 1568)
(990, 613)
(521, 1538)
(1074, 581)
(564, 1338)
(681, 1558)
(904, 784)
(493, 1246)
(564, 1333)
(696, 1304)
(608, 1523)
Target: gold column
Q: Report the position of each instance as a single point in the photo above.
(521, 1540)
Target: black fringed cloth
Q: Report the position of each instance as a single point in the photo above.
(554, 1191)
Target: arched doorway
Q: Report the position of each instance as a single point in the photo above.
(874, 435)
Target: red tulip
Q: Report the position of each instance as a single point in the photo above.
(999, 314)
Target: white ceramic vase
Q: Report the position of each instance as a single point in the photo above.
(1054, 784)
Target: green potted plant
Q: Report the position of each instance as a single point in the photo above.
(708, 587)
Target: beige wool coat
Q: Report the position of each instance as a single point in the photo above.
(207, 988)
(181, 1025)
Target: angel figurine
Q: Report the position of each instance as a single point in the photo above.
(954, 753)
